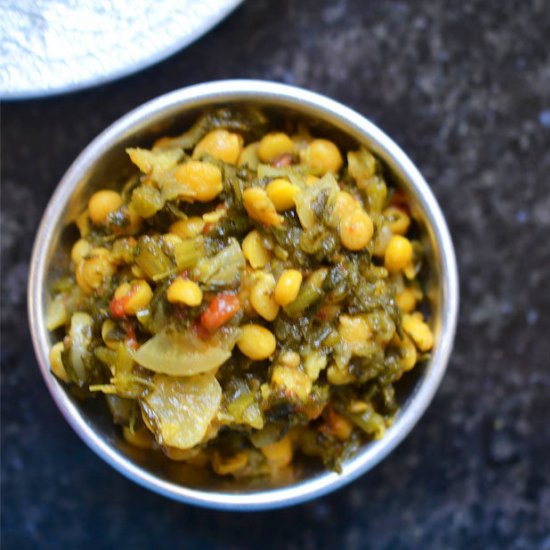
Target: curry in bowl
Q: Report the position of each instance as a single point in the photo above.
(252, 294)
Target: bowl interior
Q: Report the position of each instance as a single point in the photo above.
(95, 169)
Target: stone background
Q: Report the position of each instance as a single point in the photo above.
(464, 88)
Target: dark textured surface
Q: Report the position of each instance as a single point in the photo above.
(464, 87)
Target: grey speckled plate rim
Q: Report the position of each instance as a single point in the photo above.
(146, 62)
(381, 144)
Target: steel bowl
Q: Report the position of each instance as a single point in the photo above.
(105, 157)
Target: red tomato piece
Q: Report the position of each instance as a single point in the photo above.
(116, 307)
(219, 311)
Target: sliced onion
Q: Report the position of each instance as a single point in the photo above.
(81, 338)
(179, 411)
(184, 354)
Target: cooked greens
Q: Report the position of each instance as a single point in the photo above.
(249, 297)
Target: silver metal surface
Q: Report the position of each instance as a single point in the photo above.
(104, 156)
(55, 46)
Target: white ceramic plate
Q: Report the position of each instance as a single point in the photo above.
(55, 46)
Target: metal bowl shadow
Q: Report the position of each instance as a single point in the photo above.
(105, 157)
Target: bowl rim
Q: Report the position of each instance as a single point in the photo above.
(300, 99)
